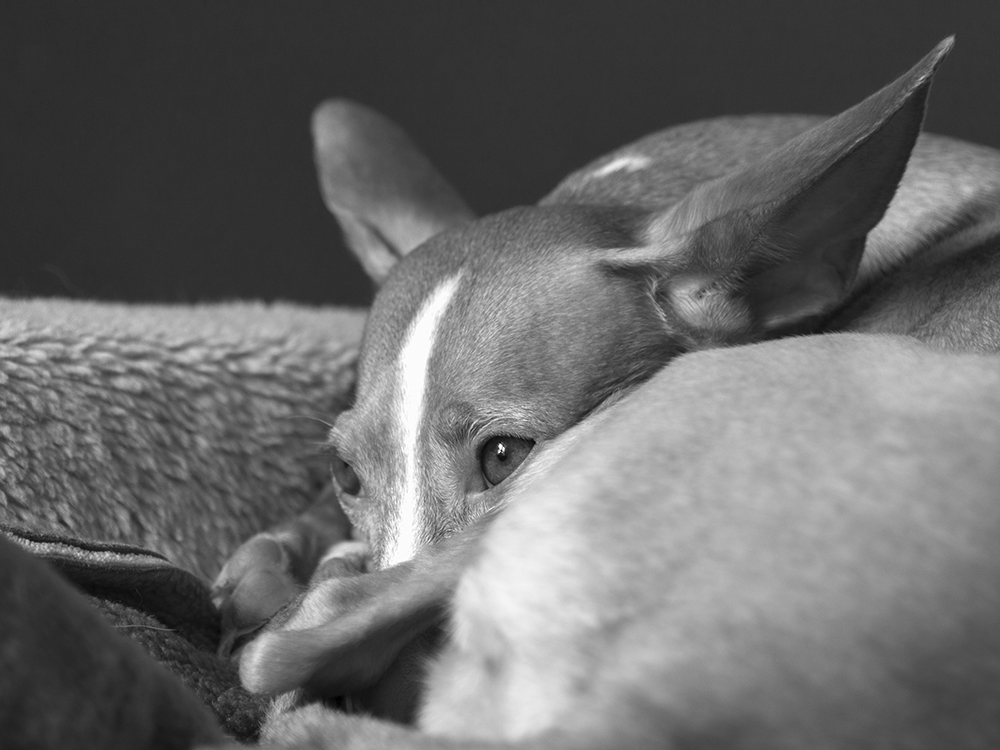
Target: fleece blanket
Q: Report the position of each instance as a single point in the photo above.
(182, 429)
(163, 608)
(168, 434)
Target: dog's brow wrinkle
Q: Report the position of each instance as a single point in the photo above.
(455, 423)
(512, 420)
(414, 359)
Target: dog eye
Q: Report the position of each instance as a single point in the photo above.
(501, 455)
(345, 476)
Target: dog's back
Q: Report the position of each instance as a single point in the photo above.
(777, 546)
(930, 267)
(791, 544)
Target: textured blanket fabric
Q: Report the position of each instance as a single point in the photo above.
(177, 429)
(160, 606)
(181, 429)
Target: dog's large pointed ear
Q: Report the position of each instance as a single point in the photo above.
(386, 195)
(776, 246)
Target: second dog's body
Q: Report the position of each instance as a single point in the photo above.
(786, 545)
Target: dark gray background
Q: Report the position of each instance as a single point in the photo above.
(160, 150)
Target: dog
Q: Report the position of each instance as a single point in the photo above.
(527, 380)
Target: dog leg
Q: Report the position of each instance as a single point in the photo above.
(273, 567)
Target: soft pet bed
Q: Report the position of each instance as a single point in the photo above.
(140, 444)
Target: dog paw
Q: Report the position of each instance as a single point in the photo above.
(324, 639)
(255, 583)
(343, 560)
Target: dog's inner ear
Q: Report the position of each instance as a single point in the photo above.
(776, 246)
(385, 194)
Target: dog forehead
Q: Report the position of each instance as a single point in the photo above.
(527, 249)
(511, 295)
(405, 293)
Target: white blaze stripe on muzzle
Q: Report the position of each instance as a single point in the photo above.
(414, 359)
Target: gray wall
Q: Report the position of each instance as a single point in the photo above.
(160, 150)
